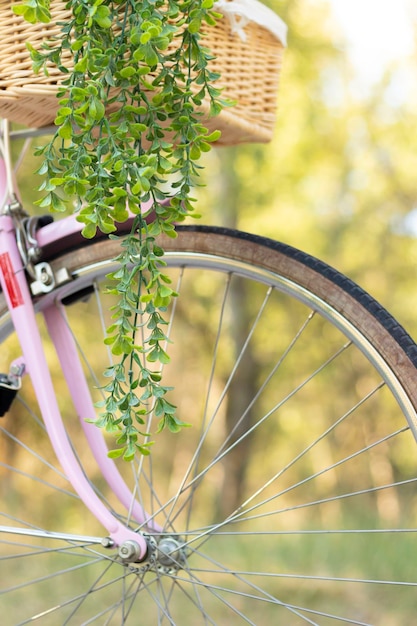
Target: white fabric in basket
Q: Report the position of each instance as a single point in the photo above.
(241, 12)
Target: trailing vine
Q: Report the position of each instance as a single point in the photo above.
(135, 74)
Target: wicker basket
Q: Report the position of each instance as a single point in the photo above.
(249, 67)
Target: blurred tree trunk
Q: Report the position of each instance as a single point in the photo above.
(239, 417)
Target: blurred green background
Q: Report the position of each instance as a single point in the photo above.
(339, 179)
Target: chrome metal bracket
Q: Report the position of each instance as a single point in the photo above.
(45, 279)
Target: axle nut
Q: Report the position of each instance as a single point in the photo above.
(129, 551)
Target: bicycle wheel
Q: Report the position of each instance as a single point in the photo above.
(292, 497)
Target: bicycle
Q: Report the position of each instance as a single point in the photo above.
(286, 500)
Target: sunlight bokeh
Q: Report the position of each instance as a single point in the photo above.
(379, 31)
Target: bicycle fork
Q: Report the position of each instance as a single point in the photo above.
(132, 545)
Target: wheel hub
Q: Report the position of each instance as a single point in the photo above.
(166, 554)
(170, 553)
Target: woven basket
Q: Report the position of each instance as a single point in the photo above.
(249, 68)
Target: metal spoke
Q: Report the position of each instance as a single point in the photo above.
(342, 496)
(32, 453)
(244, 512)
(268, 379)
(93, 587)
(188, 502)
(213, 589)
(217, 459)
(239, 575)
(185, 486)
(193, 465)
(51, 576)
(39, 480)
(197, 602)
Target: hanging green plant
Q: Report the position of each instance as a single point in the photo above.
(136, 107)
(134, 76)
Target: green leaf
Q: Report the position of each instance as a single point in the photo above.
(96, 109)
(151, 57)
(195, 152)
(215, 108)
(172, 424)
(45, 202)
(56, 182)
(64, 111)
(101, 17)
(89, 231)
(118, 165)
(214, 136)
(129, 455)
(135, 36)
(57, 204)
(194, 26)
(153, 356)
(163, 357)
(121, 346)
(78, 94)
(43, 168)
(19, 9)
(81, 65)
(65, 131)
(127, 72)
(115, 454)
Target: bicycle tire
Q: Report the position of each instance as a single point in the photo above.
(333, 561)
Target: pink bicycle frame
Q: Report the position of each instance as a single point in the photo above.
(15, 288)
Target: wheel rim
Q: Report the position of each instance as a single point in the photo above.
(265, 559)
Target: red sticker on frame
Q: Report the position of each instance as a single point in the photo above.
(10, 281)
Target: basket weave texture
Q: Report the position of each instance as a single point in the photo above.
(249, 71)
